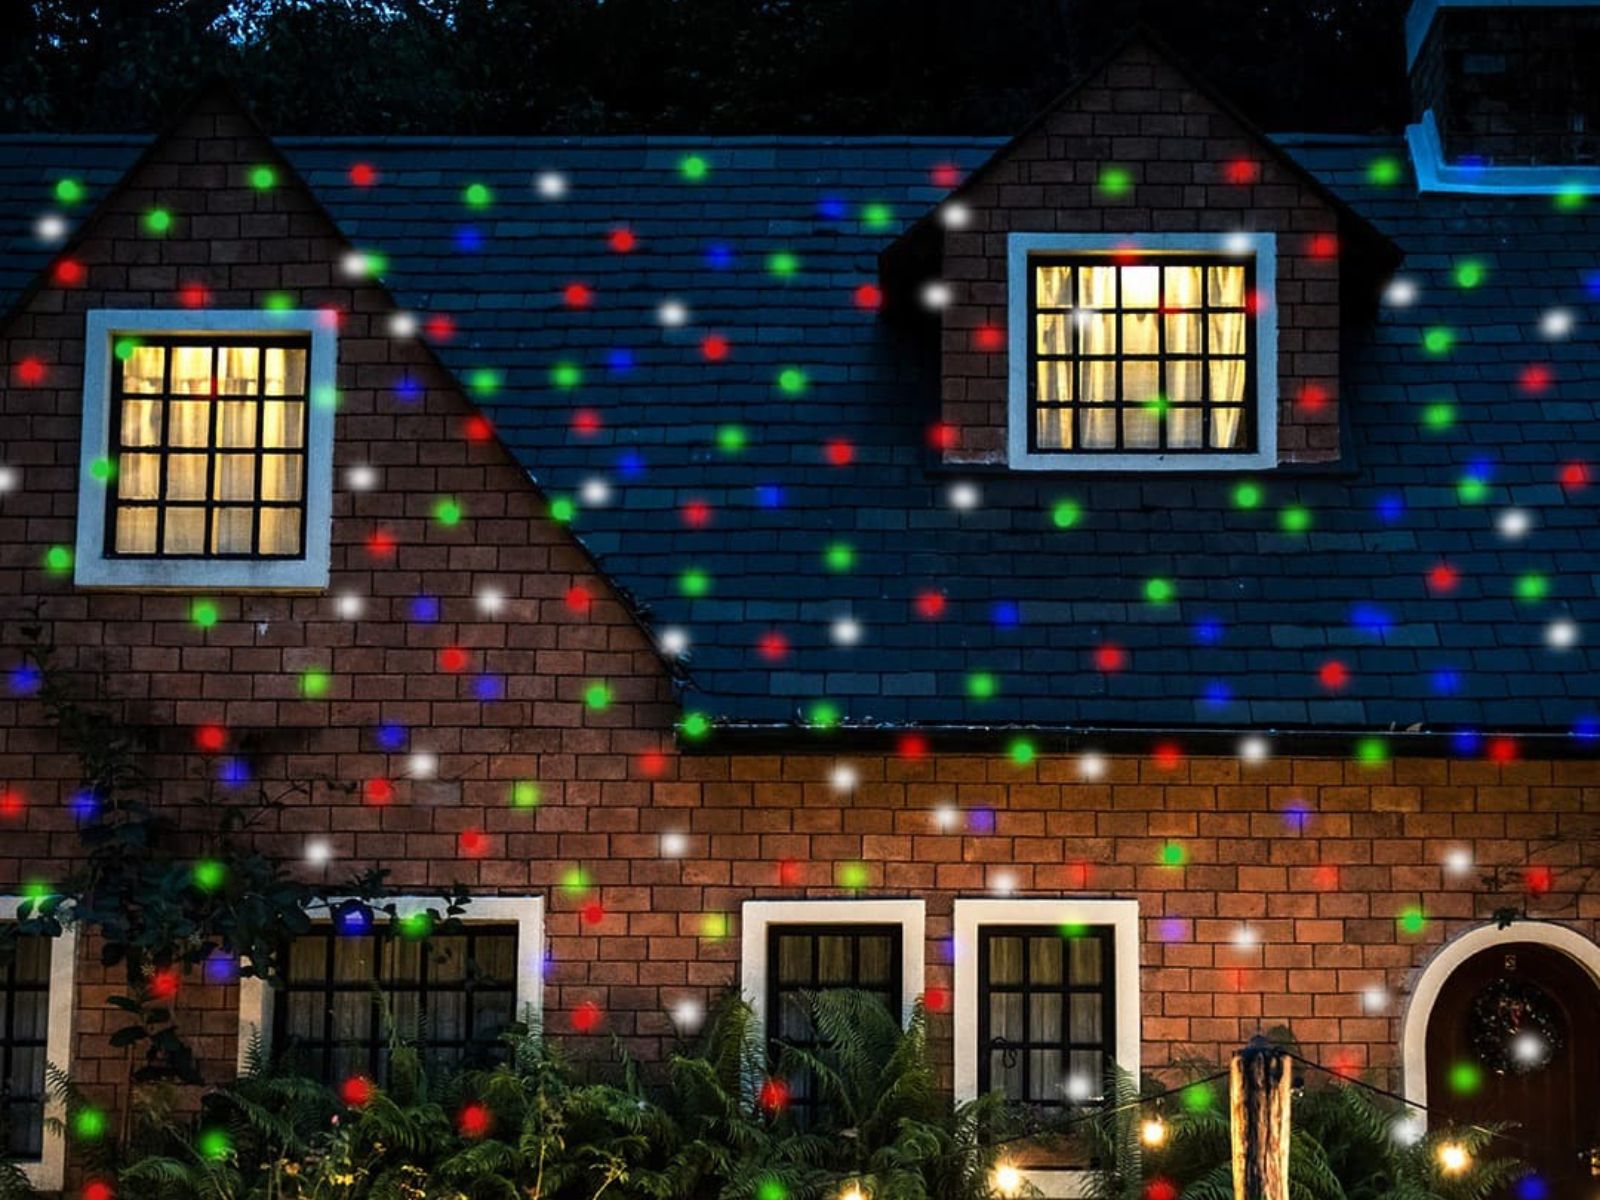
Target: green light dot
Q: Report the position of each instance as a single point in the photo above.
(1471, 489)
(1065, 514)
(1532, 587)
(1196, 1097)
(524, 794)
(731, 439)
(1159, 591)
(981, 685)
(1438, 340)
(447, 511)
(563, 509)
(89, 1124)
(374, 263)
(278, 302)
(693, 167)
(1247, 495)
(566, 375)
(853, 876)
(1470, 272)
(158, 221)
(314, 683)
(263, 178)
(791, 381)
(1412, 921)
(214, 1144)
(103, 469)
(69, 191)
(1465, 1078)
(1072, 929)
(1021, 752)
(1115, 181)
(125, 347)
(839, 556)
(477, 195)
(416, 925)
(1173, 854)
(771, 1189)
(822, 715)
(209, 874)
(1439, 417)
(694, 582)
(695, 726)
(597, 696)
(204, 613)
(714, 926)
(784, 264)
(483, 381)
(877, 217)
(1571, 197)
(58, 560)
(1384, 172)
(1295, 518)
(1372, 752)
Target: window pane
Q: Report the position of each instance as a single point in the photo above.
(1227, 380)
(877, 961)
(186, 476)
(1087, 1071)
(1097, 381)
(1097, 428)
(236, 370)
(1098, 333)
(1055, 382)
(191, 370)
(1007, 1080)
(1005, 960)
(1141, 428)
(231, 531)
(1183, 287)
(283, 424)
(142, 371)
(186, 531)
(1044, 1070)
(1227, 333)
(1054, 427)
(794, 959)
(794, 1022)
(1054, 333)
(1084, 958)
(1005, 1016)
(280, 531)
(1141, 380)
(834, 960)
(191, 422)
(1141, 287)
(1044, 1015)
(1183, 333)
(1097, 287)
(1140, 334)
(1227, 428)
(285, 372)
(1053, 286)
(1186, 381)
(236, 423)
(1044, 960)
(1184, 428)
(141, 422)
(1225, 286)
(139, 476)
(235, 477)
(1085, 1017)
(449, 961)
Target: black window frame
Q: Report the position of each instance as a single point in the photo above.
(1250, 434)
(377, 1042)
(10, 987)
(210, 504)
(1106, 989)
(807, 1108)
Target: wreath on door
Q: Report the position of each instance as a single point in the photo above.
(1515, 1028)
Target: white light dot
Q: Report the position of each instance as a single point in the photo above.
(674, 844)
(672, 313)
(1400, 292)
(1244, 937)
(50, 229)
(1408, 1130)
(552, 185)
(1254, 749)
(1561, 634)
(946, 816)
(964, 497)
(1091, 766)
(349, 606)
(1237, 243)
(1005, 882)
(1079, 1088)
(845, 631)
(674, 642)
(491, 600)
(423, 764)
(1556, 323)
(361, 479)
(955, 215)
(1529, 1048)
(403, 324)
(936, 294)
(10, 477)
(319, 852)
(688, 1014)
(1374, 999)
(1458, 861)
(1514, 522)
(355, 264)
(844, 778)
(595, 492)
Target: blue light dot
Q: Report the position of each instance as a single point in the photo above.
(84, 805)
(469, 239)
(1591, 284)
(831, 208)
(1208, 632)
(619, 360)
(233, 772)
(1217, 693)
(980, 820)
(220, 968)
(1447, 681)
(1465, 741)
(26, 680)
(391, 737)
(631, 464)
(1390, 508)
(489, 687)
(1370, 618)
(769, 495)
(1586, 729)
(719, 256)
(353, 917)
(1172, 929)
(425, 608)
(408, 390)
(1005, 614)
(1532, 1187)
(1296, 815)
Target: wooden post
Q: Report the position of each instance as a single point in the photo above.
(1259, 1081)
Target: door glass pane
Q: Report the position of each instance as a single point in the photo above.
(1005, 1016)
(834, 957)
(877, 961)
(1044, 1068)
(1044, 1016)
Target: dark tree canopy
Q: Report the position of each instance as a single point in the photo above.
(666, 66)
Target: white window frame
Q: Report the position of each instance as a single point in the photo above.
(757, 916)
(1021, 247)
(47, 1172)
(525, 912)
(972, 915)
(93, 567)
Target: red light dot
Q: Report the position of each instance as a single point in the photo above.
(474, 842)
(930, 605)
(1313, 397)
(68, 272)
(30, 372)
(379, 791)
(477, 429)
(452, 658)
(1575, 476)
(1160, 1189)
(989, 337)
(1346, 1064)
(774, 1095)
(96, 1189)
(840, 452)
(946, 175)
(578, 598)
(696, 514)
(1539, 880)
(1504, 750)
(586, 1017)
(356, 1091)
(381, 544)
(1443, 578)
(936, 999)
(773, 647)
(164, 983)
(912, 746)
(790, 872)
(622, 239)
(1535, 379)
(1242, 171)
(593, 912)
(1167, 756)
(1326, 877)
(474, 1121)
(1333, 674)
(1255, 302)
(11, 804)
(578, 295)
(714, 347)
(1323, 245)
(210, 738)
(194, 295)
(586, 422)
(1110, 658)
(1076, 875)
(942, 436)
(652, 764)
(363, 174)
(869, 296)
(439, 328)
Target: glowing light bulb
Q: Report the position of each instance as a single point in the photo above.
(490, 600)
(946, 816)
(1244, 937)
(1006, 1180)
(1092, 766)
(552, 185)
(853, 1192)
(1237, 243)
(595, 492)
(349, 606)
(1556, 323)
(1254, 750)
(1514, 523)
(423, 764)
(844, 778)
(936, 294)
(10, 477)
(674, 642)
(672, 313)
(674, 844)
(1458, 861)
(1561, 634)
(964, 497)
(319, 852)
(1374, 999)
(50, 229)
(688, 1014)
(403, 324)
(1005, 882)
(1153, 1132)
(1400, 292)
(1408, 1129)
(354, 264)
(1529, 1048)
(955, 215)
(1079, 1088)
(361, 478)
(845, 631)
(1453, 1158)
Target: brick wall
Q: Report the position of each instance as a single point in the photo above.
(1193, 169)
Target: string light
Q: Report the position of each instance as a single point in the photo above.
(1453, 1158)
(1006, 1180)
(1153, 1132)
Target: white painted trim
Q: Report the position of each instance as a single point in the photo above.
(93, 568)
(46, 1174)
(757, 916)
(970, 916)
(526, 912)
(1434, 174)
(1422, 13)
(1437, 971)
(1019, 327)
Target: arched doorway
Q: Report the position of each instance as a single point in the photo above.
(1505, 1026)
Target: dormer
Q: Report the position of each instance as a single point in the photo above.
(1139, 281)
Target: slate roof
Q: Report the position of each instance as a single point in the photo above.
(1438, 446)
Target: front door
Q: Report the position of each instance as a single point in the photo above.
(1515, 1037)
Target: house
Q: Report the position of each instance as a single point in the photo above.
(777, 563)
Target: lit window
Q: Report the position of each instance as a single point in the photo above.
(36, 1000)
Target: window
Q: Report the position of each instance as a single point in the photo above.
(345, 988)
(1155, 354)
(1046, 1001)
(206, 450)
(36, 1009)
